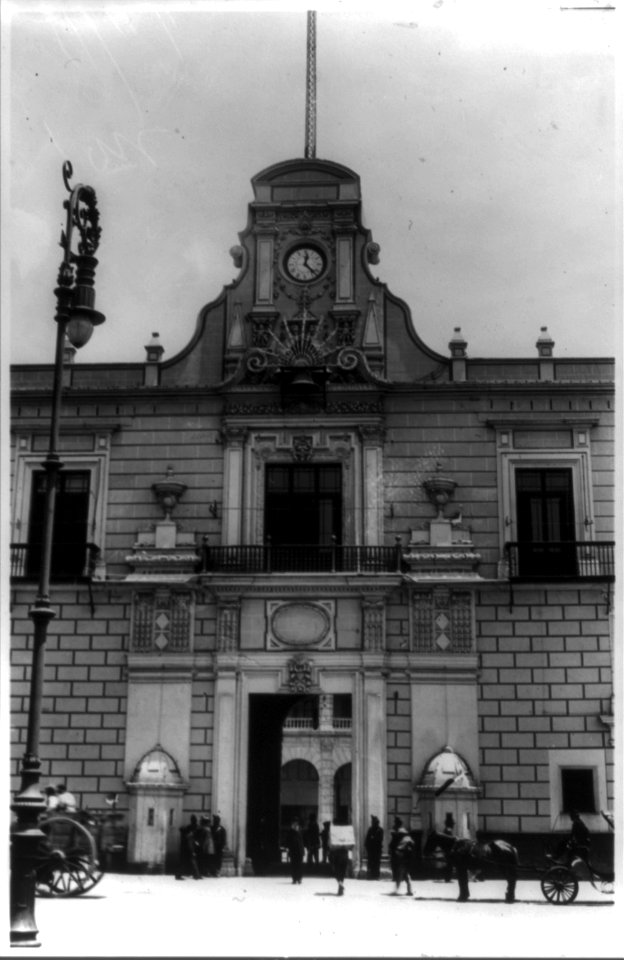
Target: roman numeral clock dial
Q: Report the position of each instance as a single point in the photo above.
(305, 264)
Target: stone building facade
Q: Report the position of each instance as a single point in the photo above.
(308, 541)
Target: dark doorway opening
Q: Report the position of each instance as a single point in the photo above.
(267, 713)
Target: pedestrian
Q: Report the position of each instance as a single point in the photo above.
(373, 843)
(294, 843)
(341, 844)
(187, 866)
(51, 799)
(219, 839)
(325, 840)
(395, 837)
(205, 846)
(66, 800)
(449, 830)
(403, 853)
(312, 839)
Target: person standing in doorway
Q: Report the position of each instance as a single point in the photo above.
(219, 840)
(205, 846)
(294, 843)
(373, 843)
(312, 839)
(325, 840)
(188, 851)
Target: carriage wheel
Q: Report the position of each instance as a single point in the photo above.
(559, 885)
(68, 863)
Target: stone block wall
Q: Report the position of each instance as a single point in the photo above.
(545, 679)
(83, 721)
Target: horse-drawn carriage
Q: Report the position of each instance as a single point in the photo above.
(76, 849)
(68, 862)
(559, 879)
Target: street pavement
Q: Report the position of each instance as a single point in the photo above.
(157, 916)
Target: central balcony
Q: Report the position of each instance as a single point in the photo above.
(301, 558)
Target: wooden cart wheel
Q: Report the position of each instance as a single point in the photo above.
(68, 864)
(559, 885)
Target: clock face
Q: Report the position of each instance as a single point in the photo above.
(305, 264)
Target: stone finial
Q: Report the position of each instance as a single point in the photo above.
(236, 253)
(154, 349)
(372, 252)
(545, 343)
(457, 344)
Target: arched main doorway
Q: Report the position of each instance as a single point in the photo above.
(295, 743)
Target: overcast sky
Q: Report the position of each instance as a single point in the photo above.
(484, 136)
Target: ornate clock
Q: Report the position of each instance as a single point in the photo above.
(305, 263)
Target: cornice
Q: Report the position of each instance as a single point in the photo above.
(302, 584)
(96, 424)
(539, 419)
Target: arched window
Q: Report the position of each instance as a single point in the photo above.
(299, 788)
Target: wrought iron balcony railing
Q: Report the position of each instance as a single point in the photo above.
(70, 561)
(561, 560)
(300, 558)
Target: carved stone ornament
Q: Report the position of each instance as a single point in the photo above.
(301, 624)
(302, 447)
(168, 492)
(299, 675)
(439, 490)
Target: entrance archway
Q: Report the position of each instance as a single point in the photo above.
(299, 765)
(267, 713)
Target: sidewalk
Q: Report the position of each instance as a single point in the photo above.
(128, 915)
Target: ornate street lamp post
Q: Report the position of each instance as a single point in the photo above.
(75, 319)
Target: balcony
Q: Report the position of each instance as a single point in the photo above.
(70, 561)
(586, 560)
(301, 558)
(299, 723)
(308, 723)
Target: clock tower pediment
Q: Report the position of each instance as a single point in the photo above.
(305, 306)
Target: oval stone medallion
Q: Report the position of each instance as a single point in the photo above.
(300, 624)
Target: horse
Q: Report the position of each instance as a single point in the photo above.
(467, 855)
